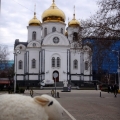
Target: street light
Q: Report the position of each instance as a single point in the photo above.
(16, 53)
(118, 68)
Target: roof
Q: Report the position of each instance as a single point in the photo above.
(4, 82)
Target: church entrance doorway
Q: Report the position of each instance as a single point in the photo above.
(57, 79)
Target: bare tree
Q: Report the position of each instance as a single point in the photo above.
(3, 52)
(101, 31)
(105, 23)
(3, 58)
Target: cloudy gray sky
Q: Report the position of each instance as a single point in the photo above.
(15, 15)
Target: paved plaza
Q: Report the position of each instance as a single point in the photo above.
(87, 104)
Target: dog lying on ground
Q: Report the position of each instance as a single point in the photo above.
(20, 107)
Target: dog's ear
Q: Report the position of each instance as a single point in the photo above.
(41, 100)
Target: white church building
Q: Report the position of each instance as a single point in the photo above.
(49, 49)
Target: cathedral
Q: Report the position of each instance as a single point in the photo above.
(49, 49)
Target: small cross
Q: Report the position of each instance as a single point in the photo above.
(35, 8)
(74, 9)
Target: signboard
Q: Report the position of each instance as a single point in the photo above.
(55, 75)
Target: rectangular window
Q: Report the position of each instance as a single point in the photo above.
(33, 63)
(75, 64)
(86, 65)
(20, 64)
(58, 62)
(53, 62)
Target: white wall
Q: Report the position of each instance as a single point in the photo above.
(33, 77)
(50, 25)
(21, 78)
(33, 54)
(56, 52)
(37, 29)
(75, 56)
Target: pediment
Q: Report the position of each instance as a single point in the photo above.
(20, 47)
(34, 44)
(56, 39)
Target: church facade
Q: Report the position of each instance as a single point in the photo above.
(49, 50)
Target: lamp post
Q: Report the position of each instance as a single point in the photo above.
(15, 79)
(118, 68)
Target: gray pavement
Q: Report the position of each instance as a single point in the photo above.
(87, 104)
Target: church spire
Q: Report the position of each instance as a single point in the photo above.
(35, 10)
(74, 13)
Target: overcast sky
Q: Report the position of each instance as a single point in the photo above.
(15, 16)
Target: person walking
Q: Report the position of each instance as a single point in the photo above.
(52, 92)
(31, 92)
(115, 89)
(9, 89)
(108, 88)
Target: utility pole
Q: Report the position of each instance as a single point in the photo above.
(118, 67)
(0, 7)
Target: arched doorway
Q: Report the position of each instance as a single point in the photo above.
(57, 79)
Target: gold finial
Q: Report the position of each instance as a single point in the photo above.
(74, 9)
(74, 13)
(35, 11)
(35, 8)
(53, 4)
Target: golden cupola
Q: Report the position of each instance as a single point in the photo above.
(34, 21)
(53, 13)
(74, 22)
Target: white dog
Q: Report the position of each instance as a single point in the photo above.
(19, 107)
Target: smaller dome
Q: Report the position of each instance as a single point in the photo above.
(34, 21)
(74, 22)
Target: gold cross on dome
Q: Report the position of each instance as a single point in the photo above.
(74, 9)
(53, 1)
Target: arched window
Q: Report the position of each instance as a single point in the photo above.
(86, 65)
(33, 63)
(53, 29)
(20, 64)
(45, 32)
(75, 36)
(61, 30)
(75, 64)
(34, 35)
(58, 62)
(53, 62)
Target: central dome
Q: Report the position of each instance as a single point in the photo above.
(53, 13)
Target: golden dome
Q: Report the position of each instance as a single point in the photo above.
(53, 13)
(34, 21)
(74, 22)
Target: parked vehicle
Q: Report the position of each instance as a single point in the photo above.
(47, 83)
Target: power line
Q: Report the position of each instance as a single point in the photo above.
(0, 7)
(23, 6)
